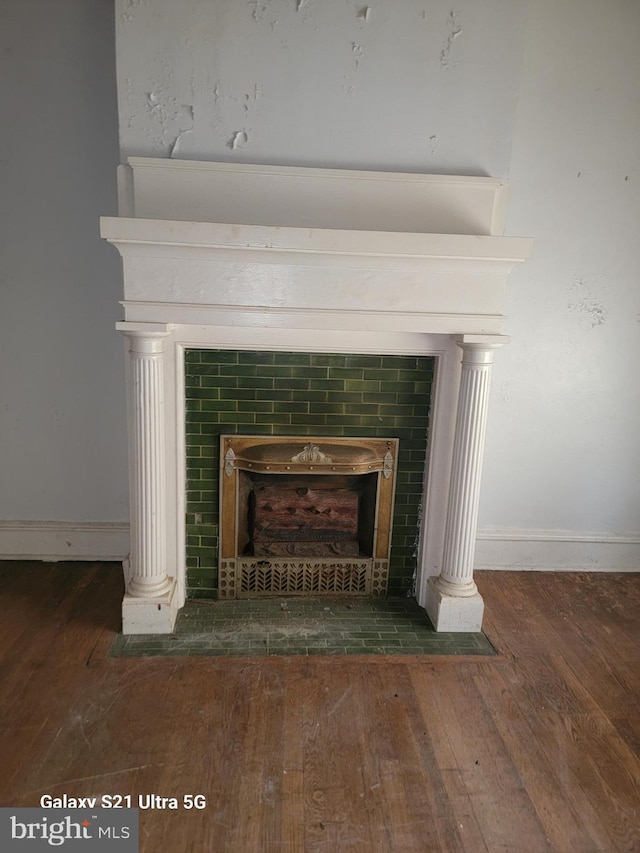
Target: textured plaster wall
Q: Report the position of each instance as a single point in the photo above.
(62, 424)
(411, 85)
(542, 93)
(563, 445)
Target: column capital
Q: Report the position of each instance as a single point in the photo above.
(481, 341)
(479, 349)
(145, 338)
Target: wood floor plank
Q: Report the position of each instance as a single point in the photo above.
(501, 804)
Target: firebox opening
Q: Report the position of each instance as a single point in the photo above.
(306, 516)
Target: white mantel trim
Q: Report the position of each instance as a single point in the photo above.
(315, 241)
(389, 280)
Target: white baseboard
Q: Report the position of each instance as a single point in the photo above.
(515, 550)
(557, 550)
(52, 541)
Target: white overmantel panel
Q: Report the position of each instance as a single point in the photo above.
(234, 244)
(316, 198)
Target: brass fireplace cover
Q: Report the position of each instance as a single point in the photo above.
(282, 455)
(244, 572)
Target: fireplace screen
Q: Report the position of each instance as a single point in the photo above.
(305, 515)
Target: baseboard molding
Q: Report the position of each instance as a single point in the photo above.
(52, 541)
(515, 550)
(557, 550)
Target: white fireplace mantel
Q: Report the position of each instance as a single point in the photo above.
(255, 257)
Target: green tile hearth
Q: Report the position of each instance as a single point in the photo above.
(309, 626)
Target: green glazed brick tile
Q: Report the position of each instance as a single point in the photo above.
(386, 375)
(237, 394)
(327, 409)
(204, 532)
(200, 394)
(202, 418)
(212, 383)
(400, 362)
(291, 383)
(372, 362)
(264, 384)
(251, 357)
(311, 372)
(289, 407)
(364, 386)
(398, 387)
(222, 381)
(344, 397)
(219, 405)
(192, 356)
(275, 418)
(218, 356)
(326, 385)
(321, 359)
(238, 370)
(379, 397)
(274, 395)
(310, 419)
(296, 429)
(309, 396)
(362, 409)
(344, 420)
(278, 370)
(294, 358)
(255, 406)
(396, 411)
(346, 373)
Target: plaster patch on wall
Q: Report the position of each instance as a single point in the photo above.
(364, 13)
(128, 9)
(169, 120)
(454, 29)
(300, 4)
(176, 147)
(433, 143)
(257, 10)
(238, 139)
(584, 306)
(358, 51)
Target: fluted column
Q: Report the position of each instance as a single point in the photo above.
(456, 577)
(148, 559)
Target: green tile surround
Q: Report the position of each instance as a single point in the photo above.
(284, 393)
(309, 626)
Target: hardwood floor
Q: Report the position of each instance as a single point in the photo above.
(536, 750)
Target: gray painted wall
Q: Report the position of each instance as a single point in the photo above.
(62, 423)
(542, 93)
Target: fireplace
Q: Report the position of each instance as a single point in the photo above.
(305, 516)
(278, 259)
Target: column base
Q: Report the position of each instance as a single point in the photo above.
(461, 614)
(150, 615)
